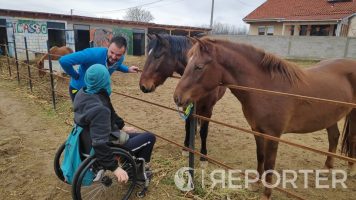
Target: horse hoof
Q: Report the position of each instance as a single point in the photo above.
(185, 153)
(204, 164)
(264, 197)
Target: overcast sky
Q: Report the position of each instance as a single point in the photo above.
(175, 12)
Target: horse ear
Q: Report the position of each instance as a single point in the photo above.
(161, 40)
(203, 46)
(192, 39)
(149, 36)
(158, 37)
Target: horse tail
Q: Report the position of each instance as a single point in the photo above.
(346, 144)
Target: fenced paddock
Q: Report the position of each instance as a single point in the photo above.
(235, 148)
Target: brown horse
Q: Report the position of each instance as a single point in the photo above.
(166, 55)
(56, 53)
(212, 62)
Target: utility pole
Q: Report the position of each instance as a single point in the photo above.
(212, 14)
(71, 12)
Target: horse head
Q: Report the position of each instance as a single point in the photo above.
(201, 75)
(166, 55)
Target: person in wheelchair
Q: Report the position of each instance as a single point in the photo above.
(94, 112)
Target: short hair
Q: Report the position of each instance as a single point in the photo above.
(119, 41)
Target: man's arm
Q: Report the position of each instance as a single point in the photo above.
(68, 61)
(121, 67)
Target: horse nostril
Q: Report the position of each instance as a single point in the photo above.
(176, 99)
(143, 89)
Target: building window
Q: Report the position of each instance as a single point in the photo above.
(261, 30)
(303, 30)
(320, 30)
(292, 30)
(270, 30)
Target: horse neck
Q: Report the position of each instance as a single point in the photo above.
(180, 66)
(181, 63)
(240, 63)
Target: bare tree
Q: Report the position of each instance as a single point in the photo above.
(138, 14)
(227, 29)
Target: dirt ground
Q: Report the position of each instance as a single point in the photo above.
(31, 132)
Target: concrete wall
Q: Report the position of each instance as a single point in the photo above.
(352, 27)
(35, 32)
(301, 47)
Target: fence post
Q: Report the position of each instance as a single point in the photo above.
(28, 65)
(193, 128)
(51, 76)
(16, 61)
(8, 59)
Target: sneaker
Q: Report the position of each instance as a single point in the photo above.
(99, 175)
(149, 174)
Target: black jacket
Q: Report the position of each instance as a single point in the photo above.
(95, 113)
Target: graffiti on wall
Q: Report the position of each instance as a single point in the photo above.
(100, 37)
(128, 35)
(28, 26)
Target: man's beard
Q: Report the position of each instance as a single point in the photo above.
(109, 62)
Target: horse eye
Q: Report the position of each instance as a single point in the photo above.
(198, 67)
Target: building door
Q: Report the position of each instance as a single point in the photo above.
(138, 42)
(56, 34)
(81, 37)
(3, 36)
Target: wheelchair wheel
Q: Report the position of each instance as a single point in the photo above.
(105, 184)
(57, 162)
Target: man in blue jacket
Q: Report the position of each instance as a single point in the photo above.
(111, 57)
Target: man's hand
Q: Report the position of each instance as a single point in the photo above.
(121, 175)
(133, 69)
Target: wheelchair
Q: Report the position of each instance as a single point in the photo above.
(105, 184)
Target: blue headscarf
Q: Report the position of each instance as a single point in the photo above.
(96, 78)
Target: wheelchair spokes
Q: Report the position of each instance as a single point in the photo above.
(106, 185)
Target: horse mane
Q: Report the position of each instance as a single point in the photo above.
(278, 66)
(269, 62)
(179, 45)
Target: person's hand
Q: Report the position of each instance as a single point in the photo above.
(129, 129)
(133, 69)
(121, 175)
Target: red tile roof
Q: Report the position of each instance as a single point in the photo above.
(291, 10)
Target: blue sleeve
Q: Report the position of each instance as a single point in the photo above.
(121, 67)
(81, 57)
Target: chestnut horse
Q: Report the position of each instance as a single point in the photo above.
(166, 55)
(214, 62)
(56, 53)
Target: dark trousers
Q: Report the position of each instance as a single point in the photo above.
(72, 92)
(141, 144)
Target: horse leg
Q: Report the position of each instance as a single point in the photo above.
(333, 137)
(204, 126)
(350, 140)
(185, 153)
(260, 152)
(271, 148)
